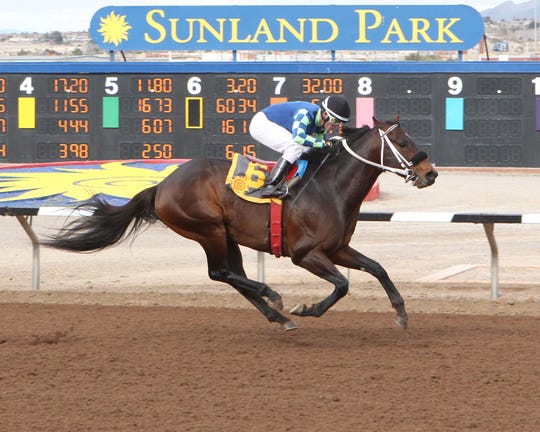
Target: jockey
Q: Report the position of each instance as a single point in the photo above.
(292, 128)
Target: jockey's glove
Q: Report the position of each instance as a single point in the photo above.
(334, 144)
(330, 142)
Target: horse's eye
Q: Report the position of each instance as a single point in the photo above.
(402, 140)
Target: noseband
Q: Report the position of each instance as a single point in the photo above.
(406, 165)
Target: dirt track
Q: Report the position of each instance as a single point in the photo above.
(174, 351)
(90, 368)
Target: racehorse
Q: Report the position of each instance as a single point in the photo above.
(319, 219)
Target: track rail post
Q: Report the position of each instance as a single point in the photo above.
(260, 266)
(489, 229)
(26, 223)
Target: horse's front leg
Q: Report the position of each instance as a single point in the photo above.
(318, 263)
(351, 258)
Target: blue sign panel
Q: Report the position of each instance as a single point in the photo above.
(397, 28)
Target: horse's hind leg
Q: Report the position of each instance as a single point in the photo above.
(234, 258)
(218, 269)
(222, 254)
(351, 258)
(250, 290)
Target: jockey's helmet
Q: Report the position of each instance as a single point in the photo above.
(337, 108)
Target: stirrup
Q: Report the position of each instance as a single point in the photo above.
(280, 192)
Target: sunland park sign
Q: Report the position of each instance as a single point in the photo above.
(450, 27)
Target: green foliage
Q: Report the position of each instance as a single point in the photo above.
(54, 37)
(417, 56)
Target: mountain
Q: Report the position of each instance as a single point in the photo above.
(509, 11)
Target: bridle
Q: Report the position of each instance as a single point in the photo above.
(406, 165)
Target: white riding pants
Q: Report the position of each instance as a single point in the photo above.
(276, 137)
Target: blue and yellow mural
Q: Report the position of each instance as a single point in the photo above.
(67, 185)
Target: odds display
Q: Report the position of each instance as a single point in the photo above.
(459, 119)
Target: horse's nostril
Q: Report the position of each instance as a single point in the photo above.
(432, 175)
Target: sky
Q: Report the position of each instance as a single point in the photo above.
(74, 15)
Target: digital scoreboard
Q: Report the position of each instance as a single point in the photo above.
(461, 114)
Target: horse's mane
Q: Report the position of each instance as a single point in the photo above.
(354, 133)
(351, 133)
(314, 155)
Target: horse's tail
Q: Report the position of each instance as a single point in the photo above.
(107, 224)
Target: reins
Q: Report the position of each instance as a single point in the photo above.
(405, 164)
(311, 178)
(405, 172)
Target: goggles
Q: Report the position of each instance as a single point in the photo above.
(333, 120)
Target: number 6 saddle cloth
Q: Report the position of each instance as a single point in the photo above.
(247, 174)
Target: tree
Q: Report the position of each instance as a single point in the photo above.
(55, 37)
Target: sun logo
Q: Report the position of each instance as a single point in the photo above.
(114, 28)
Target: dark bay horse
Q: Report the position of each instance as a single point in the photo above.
(195, 202)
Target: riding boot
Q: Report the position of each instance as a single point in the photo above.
(272, 185)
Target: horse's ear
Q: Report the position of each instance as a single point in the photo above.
(396, 119)
(376, 122)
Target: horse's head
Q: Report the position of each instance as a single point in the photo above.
(399, 152)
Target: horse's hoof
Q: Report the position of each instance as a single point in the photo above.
(298, 309)
(276, 304)
(402, 322)
(289, 325)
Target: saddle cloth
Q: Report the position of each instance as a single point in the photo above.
(246, 176)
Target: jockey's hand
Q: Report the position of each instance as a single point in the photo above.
(333, 140)
(334, 144)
